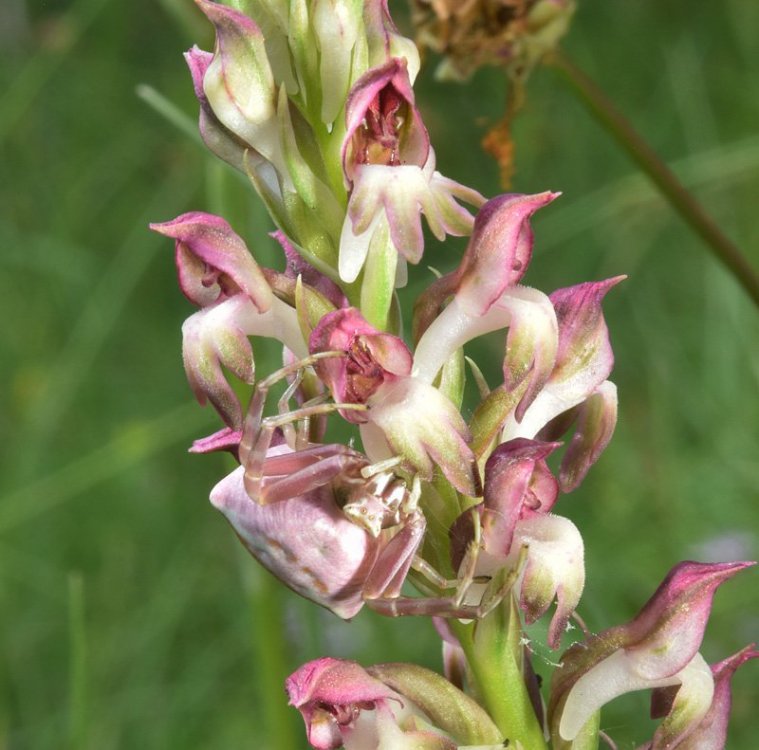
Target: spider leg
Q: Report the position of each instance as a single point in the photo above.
(283, 406)
(254, 415)
(301, 478)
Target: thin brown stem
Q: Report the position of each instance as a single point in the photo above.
(683, 201)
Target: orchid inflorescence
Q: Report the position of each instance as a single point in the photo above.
(313, 100)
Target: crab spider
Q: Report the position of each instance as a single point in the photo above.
(332, 526)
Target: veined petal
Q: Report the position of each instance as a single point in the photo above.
(422, 425)
(217, 337)
(530, 345)
(615, 676)
(555, 569)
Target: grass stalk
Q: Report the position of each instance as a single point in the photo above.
(78, 703)
(678, 196)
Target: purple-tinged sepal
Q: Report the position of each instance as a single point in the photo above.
(213, 262)
(345, 705)
(595, 419)
(657, 649)
(518, 484)
(238, 83)
(577, 389)
(499, 250)
(496, 258)
(711, 733)
(216, 137)
(225, 439)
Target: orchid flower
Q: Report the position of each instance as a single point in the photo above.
(519, 493)
(217, 272)
(398, 706)
(389, 167)
(485, 296)
(405, 415)
(658, 649)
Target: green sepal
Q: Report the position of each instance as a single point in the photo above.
(310, 234)
(272, 201)
(324, 208)
(452, 378)
(305, 56)
(491, 414)
(378, 280)
(479, 379)
(440, 504)
(587, 739)
(311, 306)
(447, 707)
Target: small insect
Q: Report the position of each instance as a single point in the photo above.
(332, 526)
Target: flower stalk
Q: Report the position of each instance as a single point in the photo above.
(313, 101)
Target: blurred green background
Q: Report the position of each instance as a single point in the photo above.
(129, 616)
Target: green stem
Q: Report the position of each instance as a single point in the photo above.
(614, 122)
(498, 678)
